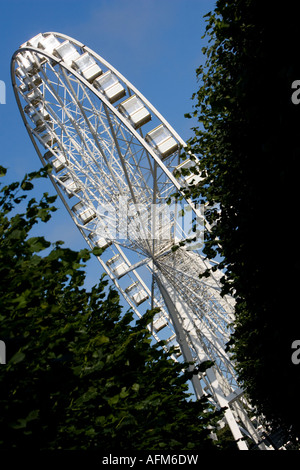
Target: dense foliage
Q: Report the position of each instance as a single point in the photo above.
(80, 374)
(248, 143)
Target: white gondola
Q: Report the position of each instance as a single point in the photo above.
(45, 135)
(48, 139)
(85, 213)
(172, 342)
(46, 43)
(159, 324)
(69, 185)
(38, 114)
(117, 265)
(20, 73)
(67, 52)
(140, 297)
(34, 42)
(34, 96)
(56, 158)
(136, 112)
(100, 241)
(87, 66)
(162, 140)
(110, 86)
(29, 83)
(137, 294)
(186, 177)
(28, 64)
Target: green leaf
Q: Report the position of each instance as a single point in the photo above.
(113, 400)
(37, 244)
(135, 387)
(26, 185)
(97, 251)
(101, 340)
(17, 357)
(3, 171)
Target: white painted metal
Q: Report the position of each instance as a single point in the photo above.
(114, 168)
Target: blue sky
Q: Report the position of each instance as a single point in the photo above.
(155, 44)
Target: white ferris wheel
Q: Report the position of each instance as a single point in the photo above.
(115, 164)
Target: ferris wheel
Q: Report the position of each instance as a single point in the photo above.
(116, 164)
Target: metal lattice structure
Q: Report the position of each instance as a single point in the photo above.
(114, 160)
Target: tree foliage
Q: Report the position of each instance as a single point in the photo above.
(80, 374)
(248, 145)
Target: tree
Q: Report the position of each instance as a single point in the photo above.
(79, 374)
(247, 141)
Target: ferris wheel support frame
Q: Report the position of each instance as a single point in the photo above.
(173, 308)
